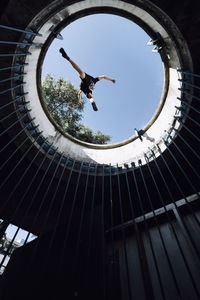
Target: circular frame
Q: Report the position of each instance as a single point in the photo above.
(152, 20)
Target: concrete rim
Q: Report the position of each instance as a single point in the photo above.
(86, 8)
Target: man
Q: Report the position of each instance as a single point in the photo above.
(87, 82)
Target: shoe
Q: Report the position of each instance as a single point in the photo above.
(94, 106)
(64, 54)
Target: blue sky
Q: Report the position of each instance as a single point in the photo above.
(113, 46)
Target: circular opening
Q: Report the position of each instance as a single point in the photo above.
(132, 149)
(97, 44)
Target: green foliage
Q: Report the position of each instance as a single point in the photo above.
(61, 99)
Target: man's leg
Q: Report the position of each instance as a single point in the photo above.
(91, 98)
(74, 65)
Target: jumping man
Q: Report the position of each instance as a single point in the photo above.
(87, 82)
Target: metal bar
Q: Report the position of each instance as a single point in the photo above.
(160, 234)
(46, 217)
(59, 214)
(18, 120)
(11, 78)
(188, 83)
(14, 67)
(13, 101)
(37, 190)
(53, 199)
(13, 112)
(102, 235)
(17, 43)
(23, 129)
(183, 172)
(170, 222)
(124, 239)
(90, 230)
(30, 184)
(9, 247)
(47, 190)
(178, 186)
(2, 166)
(178, 133)
(19, 161)
(191, 95)
(80, 225)
(15, 54)
(18, 183)
(148, 233)
(191, 166)
(5, 91)
(189, 105)
(188, 73)
(3, 226)
(185, 114)
(147, 285)
(5, 162)
(111, 220)
(20, 30)
(158, 212)
(72, 209)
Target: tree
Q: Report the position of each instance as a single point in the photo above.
(61, 101)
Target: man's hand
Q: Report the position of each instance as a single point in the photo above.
(80, 103)
(113, 80)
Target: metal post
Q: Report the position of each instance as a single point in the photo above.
(191, 166)
(46, 217)
(15, 54)
(14, 67)
(30, 184)
(18, 183)
(20, 30)
(160, 234)
(90, 230)
(102, 237)
(185, 114)
(189, 105)
(189, 84)
(18, 43)
(147, 229)
(37, 190)
(62, 202)
(23, 129)
(144, 269)
(72, 209)
(74, 270)
(5, 180)
(13, 78)
(9, 247)
(111, 222)
(12, 113)
(12, 88)
(124, 238)
(178, 186)
(185, 230)
(188, 73)
(13, 101)
(18, 120)
(187, 93)
(188, 145)
(196, 137)
(183, 172)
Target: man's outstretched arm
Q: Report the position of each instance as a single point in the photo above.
(107, 78)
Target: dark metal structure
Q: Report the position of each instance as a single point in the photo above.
(104, 232)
